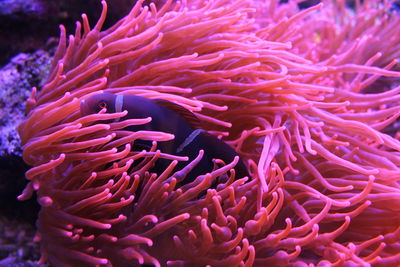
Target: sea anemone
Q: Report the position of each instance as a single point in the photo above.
(307, 97)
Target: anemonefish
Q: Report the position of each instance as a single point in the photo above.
(170, 118)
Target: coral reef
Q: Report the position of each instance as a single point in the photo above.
(17, 244)
(16, 81)
(303, 96)
(17, 218)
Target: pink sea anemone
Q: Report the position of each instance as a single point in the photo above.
(285, 87)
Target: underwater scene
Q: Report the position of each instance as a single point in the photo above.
(199, 133)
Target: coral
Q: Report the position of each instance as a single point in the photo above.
(17, 244)
(18, 7)
(303, 96)
(16, 81)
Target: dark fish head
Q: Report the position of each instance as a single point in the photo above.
(95, 103)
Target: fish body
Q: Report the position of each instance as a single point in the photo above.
(170, 118)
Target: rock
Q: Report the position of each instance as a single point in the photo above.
(16, 81)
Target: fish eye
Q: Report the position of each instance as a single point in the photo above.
(102, 104)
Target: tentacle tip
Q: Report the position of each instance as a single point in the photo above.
(21, 197)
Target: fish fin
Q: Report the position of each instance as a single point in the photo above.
(227, 153)
(187, 114)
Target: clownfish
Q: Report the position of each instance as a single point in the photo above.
(170, 118)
